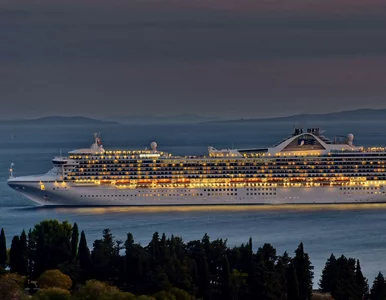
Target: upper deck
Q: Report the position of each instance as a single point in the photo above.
(309, 142)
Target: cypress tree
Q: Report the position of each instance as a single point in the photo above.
(31, 246)
(378, 290)
(204, 288)
(15, 255)
(292, 283)
(282, 267)
(84, 256)
(361, 284)
(3, 250)
(328, 279)
(23, 254)
(226, 287)
(129, 254)
(74, 241)
(41, 253)
(304, 273)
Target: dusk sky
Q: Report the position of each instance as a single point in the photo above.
(228, 58)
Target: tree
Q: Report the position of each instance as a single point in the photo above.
(15, 255)
(180, 294)
(97, 290)
(362, 287)
(292, 283)
(56, 241)
(52, 294)
(3, 250)
(344, 287)
(164, 295)
(378, 290)
(74, 241)
(238, 282)
(23, 254)
(281, 267)
(204, 289)
(11, 286)
(328, 279)
(54, 278)
(84, 256)
(304, 272)
(226, 287)
(104, 256)
(41, 253)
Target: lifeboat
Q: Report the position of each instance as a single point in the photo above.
(345, 179)
(254, 180)
(122, 182)
(163, 181)
(183, 181)
(144, 182)
(237, 180)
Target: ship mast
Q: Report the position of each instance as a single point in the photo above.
(11, 171)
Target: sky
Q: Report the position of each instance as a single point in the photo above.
(223, 58)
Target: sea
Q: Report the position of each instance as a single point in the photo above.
(357, 231)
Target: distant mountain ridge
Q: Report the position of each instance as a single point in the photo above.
(341, 116)
(58, 120)
(176, 119)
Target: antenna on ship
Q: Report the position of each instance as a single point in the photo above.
(11, 171)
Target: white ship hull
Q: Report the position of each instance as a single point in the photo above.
(67, 194)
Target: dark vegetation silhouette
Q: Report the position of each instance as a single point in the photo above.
(55, 258)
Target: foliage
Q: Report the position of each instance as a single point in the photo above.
(321, 296)
(169, 268)
(3, 250)
(52, 293)
(74, 241)
(378, 290)
(180, 294)
(328, 279)
(50, 245)
(164, 295)
(304, 272)
(54, 278)
(343, 278)
(11, 287)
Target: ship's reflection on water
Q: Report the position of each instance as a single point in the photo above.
(217, 208)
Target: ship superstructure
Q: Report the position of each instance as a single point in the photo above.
(306, 167)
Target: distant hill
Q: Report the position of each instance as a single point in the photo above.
(177, 119)
(342, 116)
(58, 121)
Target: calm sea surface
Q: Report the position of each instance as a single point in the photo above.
(354, 230)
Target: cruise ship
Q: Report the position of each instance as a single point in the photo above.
(304, 168)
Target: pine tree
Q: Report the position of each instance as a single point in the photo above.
(84, 256)
(344, 287)
(15, 255)
(304, 272)
(292, 283)
(378, 290)
(3, 250)
(74, 241)
(328, 278)
(23, 254)
(361, 285)
(282, 266)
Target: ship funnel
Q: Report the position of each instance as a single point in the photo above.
(350, 139)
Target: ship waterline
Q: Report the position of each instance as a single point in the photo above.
(305, 168)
